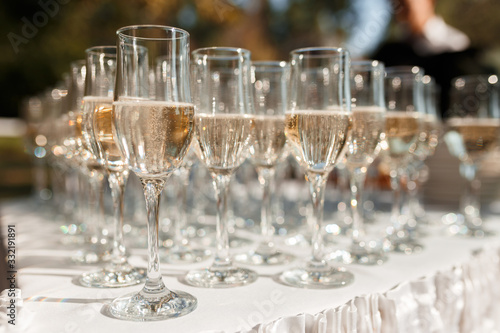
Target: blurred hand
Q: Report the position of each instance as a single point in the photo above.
(417, 12)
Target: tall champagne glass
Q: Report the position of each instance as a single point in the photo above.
(405, 105)
(472, 132)
(224, 128)
(80, 159)
(96, 128)
(317, 126)
(368, 125)
(153, 126)
(181, 250)
(36, 140)
(269, 84)
(426, 146)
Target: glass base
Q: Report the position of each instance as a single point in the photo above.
(90, 257)
(263, 257)
(406, 246)
(76, 240)
(368, 258)
(317, 277)
(469, 232)
(216, 277)
(114, 277)
(183, 255)
(301, 240)
(137, 307)
(369, 252)
(209, 240)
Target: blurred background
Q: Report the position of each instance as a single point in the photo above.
(41, 38)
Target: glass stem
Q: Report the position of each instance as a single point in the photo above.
(181, 221)
(83, 192)
(470, 205)
(40, 177)
(357, 181)
(221, 185)
(395, 175)
(412, 188)
(117, 181)
(317, 185)
(96, 206)
(152, 192)
(266, 177)
(70, 195)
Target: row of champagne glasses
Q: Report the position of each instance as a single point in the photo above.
(101, 150)
(472, 133)
(150, 124)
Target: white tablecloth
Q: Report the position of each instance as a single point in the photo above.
(451, 286)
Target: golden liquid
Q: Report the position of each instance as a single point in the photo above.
(368, 124)
(269, 140)
(428, 138)
(223, 140)
(103, 131)
(90, 150)
(154, 136)
(317, 138)
(478, 137)
(77, 123)
(401, 132)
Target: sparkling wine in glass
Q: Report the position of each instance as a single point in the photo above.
(224, 132)
(405, 106)
(269, 84)
(426, 146)
(153, 126)
(97, 119)
(367, 132)
(317, 126)
(472, 132)
(79, 158)
(181, 251)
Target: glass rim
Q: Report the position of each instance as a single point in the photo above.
(221, 53)
(402, 70)
(428, 80)
(369, 63)
(270, 66)
(270, 63)
(108, 50)
(491, 78)
(121, 32)
(319, 52)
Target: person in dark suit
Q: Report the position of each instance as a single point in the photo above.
(429, 42)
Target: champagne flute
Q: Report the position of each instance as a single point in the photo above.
(368, 124)
(80, 159)
(181, 250)
(224, 128)
(269, 84)
(405, 105)
(153, 126)
(317, 126)
(426, 146)
(472, 132)
(97, 132)
(36, 140)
